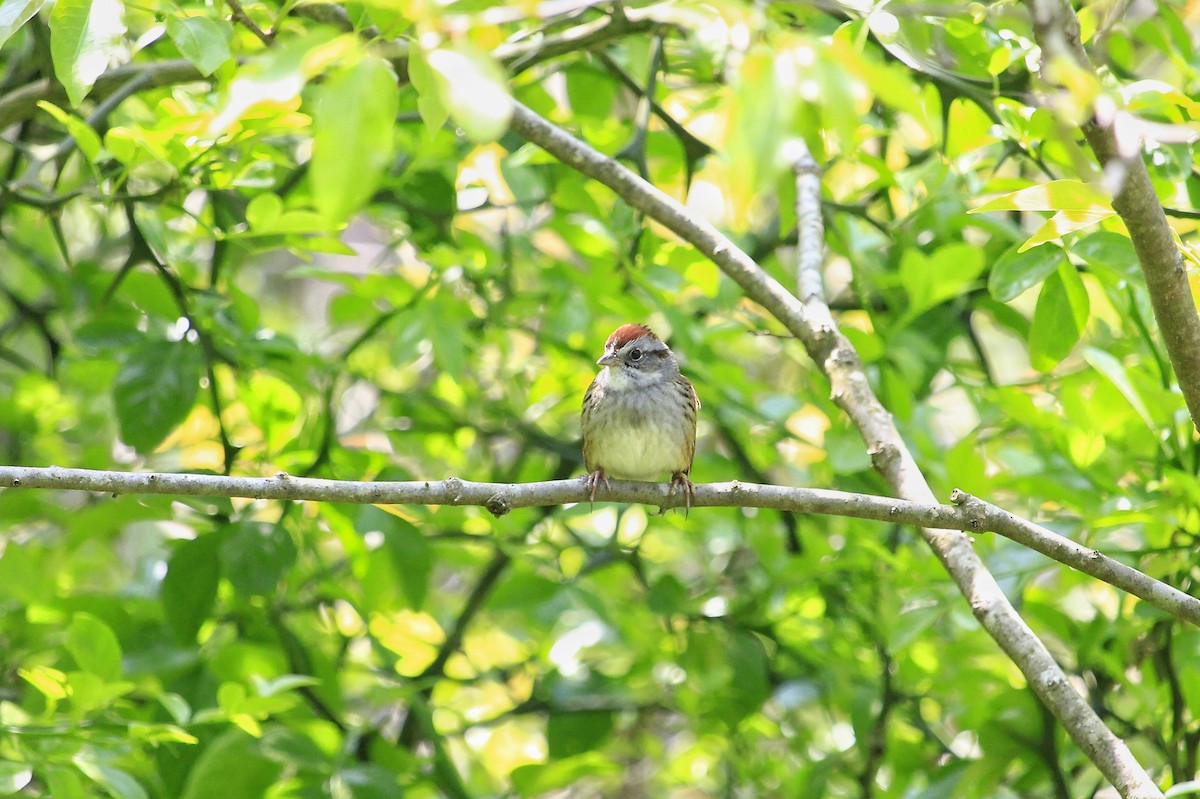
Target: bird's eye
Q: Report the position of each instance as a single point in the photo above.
(635, 355)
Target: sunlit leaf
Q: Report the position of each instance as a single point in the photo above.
(14, 776)
(117, 783)
(473, 90)
(14, 14)
(203, 40)
(94, 646)
(430, 101)
(1065, 222)
(85, 36)
(352, 136)
(85, 136)
(1056, 195)
(278, 77)
(1109, 366)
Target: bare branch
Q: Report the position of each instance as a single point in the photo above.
(1064, 550)
(813, 324)
(852, 390)
(21, 104)
(249, 24)
(1116, 143)
(971, 514)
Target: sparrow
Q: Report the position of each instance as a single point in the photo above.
(639, 414)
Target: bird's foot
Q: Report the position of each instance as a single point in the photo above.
(592, 482)
(680, 480)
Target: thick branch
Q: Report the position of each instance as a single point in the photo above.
(1057, 31)
(813, 324)
(21, 104)
(971, 514)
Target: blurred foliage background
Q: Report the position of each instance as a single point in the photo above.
(251, 237)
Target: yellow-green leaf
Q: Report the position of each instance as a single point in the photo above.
(94, 646)
(14, 14)
(202, 40)
(85, 35)
(87, 139)
(473, 89)
(1057, 195)
(1065, 222)
(352, 136)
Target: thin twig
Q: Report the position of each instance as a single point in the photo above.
(249, 24)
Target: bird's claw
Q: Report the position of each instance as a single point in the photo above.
(592, 482)
(680, 480)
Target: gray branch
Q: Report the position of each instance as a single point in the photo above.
(1056, 29)
(813, 324)
(988, 602)
(969, 513)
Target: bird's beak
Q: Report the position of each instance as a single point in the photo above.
(608, 359)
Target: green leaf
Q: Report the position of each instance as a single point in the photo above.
(1015, 271)
(85, 35)
(255, 557)
(94, 646)
(155, 391)
(364, 781)
(764, 105)
(969, 128)
(231, 767)
(1107, 364)
(668, 596)
(750, 686)
(14, 14)
(1059, 319)
(352, 136)
(474, 90)
(280, 75)
(264, 211)
(1065, 222)
(87, 139)
(569, 734)
(1105, 249)
(203, 40)
(119, 784)
(91, 693)
(189, 588)
(537, 778)
(1187, 788)
(909, 623)
(63, 782)
(281, 684)
(14, 776)
(411, 558)
(404, 560)
(1057, 195)
(430, 103)
(929, 282)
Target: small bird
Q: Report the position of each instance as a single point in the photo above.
(639, 414)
